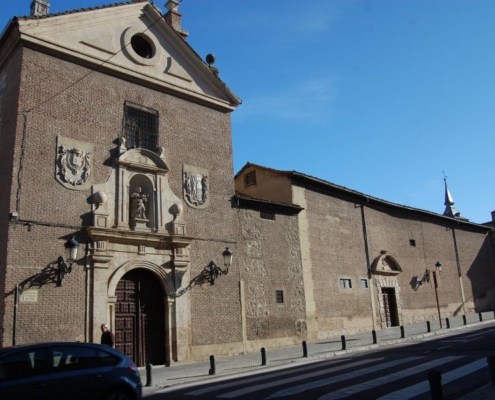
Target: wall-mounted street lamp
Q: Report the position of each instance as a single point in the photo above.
(71, 247)
(215, 271)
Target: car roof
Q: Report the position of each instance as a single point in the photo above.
(28, 346)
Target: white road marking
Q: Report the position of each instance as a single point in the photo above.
(323, 382)
(258, 378)
(351, 390)
(423, 387)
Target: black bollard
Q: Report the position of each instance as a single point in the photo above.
(447, 321)
(263, 356)
(428, 326)
(491, 365)
(481, 316)
(213, 369)
(342, 338)
(305, 349)
(373, 335)
(149, 377)
(464, 320)
(435, 379)
(402, 333)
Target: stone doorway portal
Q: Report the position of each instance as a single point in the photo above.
(140, 318)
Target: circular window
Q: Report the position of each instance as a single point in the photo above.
(142, 46)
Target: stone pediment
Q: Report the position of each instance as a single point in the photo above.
(385, 265)
(143, 160)
(131, 39)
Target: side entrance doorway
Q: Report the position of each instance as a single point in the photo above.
(391, 317)
(140, 318)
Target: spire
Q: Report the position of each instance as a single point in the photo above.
(450, 210)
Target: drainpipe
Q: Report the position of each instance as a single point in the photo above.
(368, 265)
(459, 272)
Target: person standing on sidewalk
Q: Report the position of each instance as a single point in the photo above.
(107, 336)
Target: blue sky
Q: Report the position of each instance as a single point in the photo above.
(380, 96)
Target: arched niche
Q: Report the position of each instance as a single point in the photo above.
(385, 265)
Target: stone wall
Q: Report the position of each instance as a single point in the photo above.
(270, 260)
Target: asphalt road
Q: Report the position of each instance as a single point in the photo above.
(398, 372)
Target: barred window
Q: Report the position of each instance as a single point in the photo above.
(267, 215)
(140, 127)
(345, 283)
(279, 296)
(364, 283)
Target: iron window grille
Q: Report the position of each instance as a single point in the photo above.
(345, 283)
(279, 296)
(140, 127)
(267, 215)
(364, 283)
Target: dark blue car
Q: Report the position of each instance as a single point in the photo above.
(67, 370)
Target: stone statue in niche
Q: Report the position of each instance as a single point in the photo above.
(138, 204)
(138, 210)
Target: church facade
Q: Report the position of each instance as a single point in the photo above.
(117, 143)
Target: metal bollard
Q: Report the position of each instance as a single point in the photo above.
(491, 364)
(263, 356)
(402, 333)
(481, 317)
(213, 369)
(305, 348)
(435, 379)
(373, 335)
(342, 338)
(149, 377)
(428, 326)
(464, 320)
(447, 321)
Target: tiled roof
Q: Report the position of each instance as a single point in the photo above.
(369, 199)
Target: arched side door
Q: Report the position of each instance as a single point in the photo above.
(140, 318)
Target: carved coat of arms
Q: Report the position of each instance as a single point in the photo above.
(74, 164)
(196, 186)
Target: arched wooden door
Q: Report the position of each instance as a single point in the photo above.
(140, 318)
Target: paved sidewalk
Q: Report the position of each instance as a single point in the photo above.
(191, 372)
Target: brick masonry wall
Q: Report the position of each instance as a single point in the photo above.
(92, 111)
(338, 251)
(9, 80)
(270, 261)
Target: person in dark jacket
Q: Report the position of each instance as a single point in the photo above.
(107, 336)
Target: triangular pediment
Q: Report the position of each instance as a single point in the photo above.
(133, 40)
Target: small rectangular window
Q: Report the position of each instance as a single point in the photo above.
(140, 127)
(412, 242)
(279, 296)
(267, 215)
(345, 283)
(250, 179)
(364, 283)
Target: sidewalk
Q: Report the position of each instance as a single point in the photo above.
(190, 372)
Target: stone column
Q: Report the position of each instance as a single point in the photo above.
(100, 300)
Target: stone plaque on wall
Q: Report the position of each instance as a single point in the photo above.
(29, 296)
(74, 163)
(196, 184)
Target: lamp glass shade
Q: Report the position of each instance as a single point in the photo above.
(227, 257)
(71, 247)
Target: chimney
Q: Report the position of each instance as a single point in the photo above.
(40, 8)
(173, 17)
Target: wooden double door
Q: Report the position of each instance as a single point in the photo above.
(140, 318)
(391, 316)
